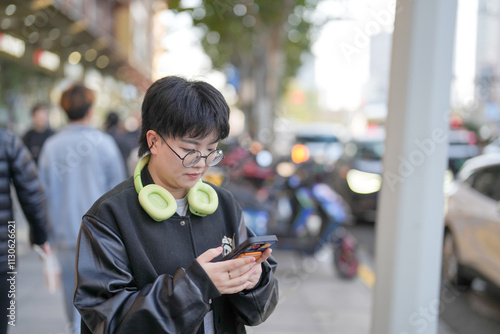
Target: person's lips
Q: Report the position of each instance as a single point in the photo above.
(193, 176)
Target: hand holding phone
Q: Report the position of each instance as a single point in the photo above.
(253, 246)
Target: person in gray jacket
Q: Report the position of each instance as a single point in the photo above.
(149, 250)
(77, 165)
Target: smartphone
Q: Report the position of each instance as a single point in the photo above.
(253, 246)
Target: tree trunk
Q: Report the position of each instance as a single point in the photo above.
(261, 73)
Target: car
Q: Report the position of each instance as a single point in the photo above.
(471, 244)
(324, 148)
(357, 175)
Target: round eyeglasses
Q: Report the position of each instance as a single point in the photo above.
(194, 156)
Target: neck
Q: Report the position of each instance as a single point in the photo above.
(40, 128)
(85, 120)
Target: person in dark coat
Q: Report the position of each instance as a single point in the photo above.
(18, 168)
(38, 134)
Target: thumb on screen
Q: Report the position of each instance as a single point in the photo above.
(209, 255)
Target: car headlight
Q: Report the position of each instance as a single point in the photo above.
(363, 182)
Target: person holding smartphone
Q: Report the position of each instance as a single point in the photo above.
(149, 251)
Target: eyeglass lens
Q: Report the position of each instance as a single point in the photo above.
(193, 157)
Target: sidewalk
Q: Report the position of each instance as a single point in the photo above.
(313, 299)
(37, 310)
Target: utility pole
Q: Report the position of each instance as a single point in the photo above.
(410, 214)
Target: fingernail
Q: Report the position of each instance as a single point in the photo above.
(219, 249)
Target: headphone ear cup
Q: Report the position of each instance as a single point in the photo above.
(157, 202)
(202, 199)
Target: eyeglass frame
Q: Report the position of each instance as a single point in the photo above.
(200, 156)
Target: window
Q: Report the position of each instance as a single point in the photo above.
(487, 182)
(370, 150)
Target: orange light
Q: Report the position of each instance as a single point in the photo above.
(256, 147)
(300, 153)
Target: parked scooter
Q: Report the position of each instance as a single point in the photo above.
(310, 215)
(304, 213)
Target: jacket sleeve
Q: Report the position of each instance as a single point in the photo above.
(29, 190)
(252, 307)
(110, 301)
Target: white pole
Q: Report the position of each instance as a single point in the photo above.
(410, 215)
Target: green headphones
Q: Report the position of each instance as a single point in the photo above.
(160, 204)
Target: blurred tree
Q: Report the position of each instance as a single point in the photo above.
(258, 43)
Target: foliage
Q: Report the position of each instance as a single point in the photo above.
(237, 29)
(263, 39)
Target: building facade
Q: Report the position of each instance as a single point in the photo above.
(45, 45)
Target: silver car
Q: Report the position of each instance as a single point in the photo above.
(471, 245)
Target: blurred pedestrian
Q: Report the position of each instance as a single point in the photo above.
(133, 129)
(146, 248)
(112, 123)
(40, 130)
(18, 168)
(77, 165)
(126, 139)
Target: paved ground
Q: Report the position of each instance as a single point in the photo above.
(313, 299)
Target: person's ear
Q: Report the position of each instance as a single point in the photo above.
(152, 138)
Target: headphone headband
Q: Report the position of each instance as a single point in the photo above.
(137, 172)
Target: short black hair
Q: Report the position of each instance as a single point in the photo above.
(176, 107)
(39, 106)
(112, 120)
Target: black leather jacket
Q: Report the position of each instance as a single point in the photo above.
(135, 275)
(17, 166)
